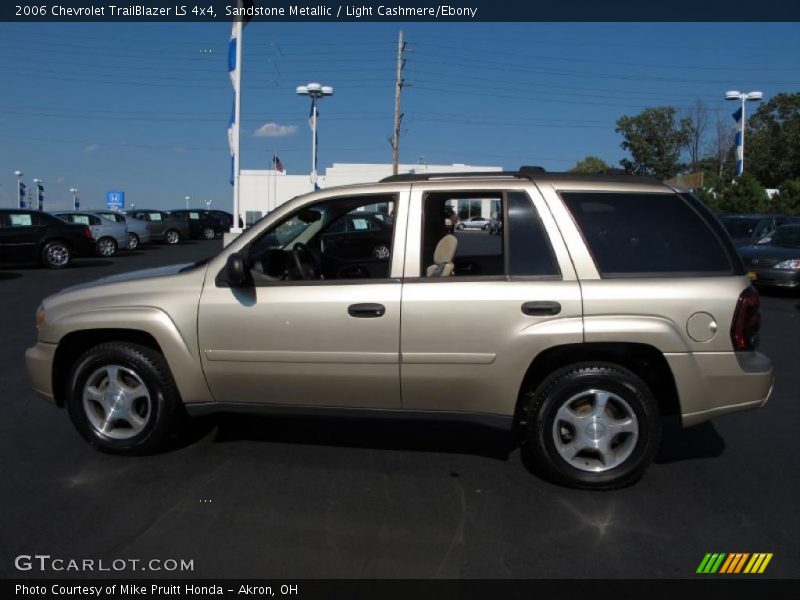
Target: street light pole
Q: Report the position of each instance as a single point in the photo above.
(19, 175)
(743, 97)
(187, 201)
(74, 198)
(316, 92)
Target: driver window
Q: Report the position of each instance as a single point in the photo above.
(346, 238)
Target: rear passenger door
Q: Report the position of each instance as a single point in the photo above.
(468, 339)
(22, 232)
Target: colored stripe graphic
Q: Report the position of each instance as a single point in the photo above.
(711, 562)
(758, 563)
(734, 563)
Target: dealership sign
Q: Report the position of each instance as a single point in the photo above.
(115, 200)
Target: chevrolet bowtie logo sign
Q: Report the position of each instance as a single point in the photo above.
(734, 563)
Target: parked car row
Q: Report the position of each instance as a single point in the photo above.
(54, 239)
(769, 246)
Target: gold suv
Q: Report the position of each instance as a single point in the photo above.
(603, 303)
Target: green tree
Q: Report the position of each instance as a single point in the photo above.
(742, 195)
(655, 139)
(590, 164)
(772, 142)
(787, 200)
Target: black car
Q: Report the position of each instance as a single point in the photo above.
(741, 228)
(775, 263)
(202, 224)
(33, 236)
(163, 226)
(223, 217)
(356, 236)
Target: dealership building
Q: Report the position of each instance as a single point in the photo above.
(261, 191)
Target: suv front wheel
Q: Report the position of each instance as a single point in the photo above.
(591, 425)
(122, 399)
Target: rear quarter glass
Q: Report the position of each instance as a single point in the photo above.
(638, 234)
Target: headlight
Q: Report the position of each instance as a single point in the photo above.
(39, 318)
(794, 263)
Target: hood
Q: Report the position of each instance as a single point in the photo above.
(132, 276)
(769, 251)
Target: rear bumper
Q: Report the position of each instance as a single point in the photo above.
(39, 364)
(717, 383)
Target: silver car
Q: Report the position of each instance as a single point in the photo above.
(110, 235)
(138, 230)
(474, 223)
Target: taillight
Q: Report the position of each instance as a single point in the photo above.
(746, 321)
(87, 233)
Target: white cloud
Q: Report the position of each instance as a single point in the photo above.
(274, 130)
(90, 148)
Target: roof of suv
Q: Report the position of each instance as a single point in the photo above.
(531, 173)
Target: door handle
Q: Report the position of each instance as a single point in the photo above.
(366, 311)
(541, 308)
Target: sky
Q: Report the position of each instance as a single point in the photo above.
(144, 108)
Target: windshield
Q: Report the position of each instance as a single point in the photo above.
(788, 235)
(740, 227)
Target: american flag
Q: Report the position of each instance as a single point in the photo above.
(277, 163)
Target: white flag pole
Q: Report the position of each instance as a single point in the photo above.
(235, 229)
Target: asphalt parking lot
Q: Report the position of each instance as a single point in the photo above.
(300, 498)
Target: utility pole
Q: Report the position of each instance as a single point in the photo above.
(398, 116)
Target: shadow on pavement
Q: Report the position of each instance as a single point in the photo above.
(9, 275)
(83, 263)
(383, 434)
(678, 444)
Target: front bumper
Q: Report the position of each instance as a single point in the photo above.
(783, 278)
(39, 364)
(717, 383)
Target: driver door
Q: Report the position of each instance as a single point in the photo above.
(323, 342)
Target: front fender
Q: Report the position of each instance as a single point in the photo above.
(181, 354)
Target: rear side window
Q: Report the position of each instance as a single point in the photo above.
(646, 234)
(528, 245)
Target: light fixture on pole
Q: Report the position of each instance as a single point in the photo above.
(187, 198)
(20, 189)
(75, 204)
(316, 91)
(739, 115)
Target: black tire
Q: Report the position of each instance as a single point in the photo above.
(56, 255)
(164, 411)
(540, 408)
(133, 241)
(106, 247)
(172, 237)
(209, 233)
(460, 226)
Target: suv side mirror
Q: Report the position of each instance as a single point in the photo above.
(235, 272)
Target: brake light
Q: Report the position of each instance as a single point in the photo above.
(87, 233)
(746, 321)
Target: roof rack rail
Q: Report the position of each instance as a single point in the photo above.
(526, 172)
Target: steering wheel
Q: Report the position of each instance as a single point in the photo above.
(305, 261)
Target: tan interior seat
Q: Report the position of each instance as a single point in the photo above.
(443, 257)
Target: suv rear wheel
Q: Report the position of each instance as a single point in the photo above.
(122, 399)
(209, 233)
(592, 425)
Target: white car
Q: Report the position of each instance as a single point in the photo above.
(474, 223)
